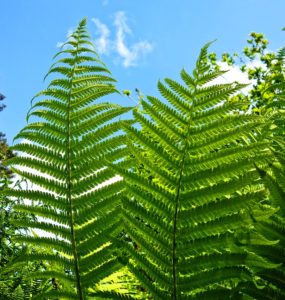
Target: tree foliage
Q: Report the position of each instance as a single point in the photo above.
(267, 97)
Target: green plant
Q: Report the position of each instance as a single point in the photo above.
(13, 282)
(187, 220)
(65, 153)
(191, 221)
(261, 65)
(274, 178)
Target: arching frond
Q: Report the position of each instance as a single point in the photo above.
(195, 193)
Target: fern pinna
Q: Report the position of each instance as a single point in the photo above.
(194, 195)
(64, 152)
(274, 179)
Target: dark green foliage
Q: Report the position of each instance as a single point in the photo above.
(64, 154)
(13, 282)
(274, 179)
(192, 219)
(2, 106)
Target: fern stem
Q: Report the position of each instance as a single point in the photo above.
(69, 186)
(174, 257)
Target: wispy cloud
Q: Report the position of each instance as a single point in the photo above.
(234, 74)
(115, 41)
(102, 43)
(129, 54)
(69, 33)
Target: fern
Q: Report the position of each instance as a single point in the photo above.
(274, 177)
(64, 155)
(272, 281)
(194, 195)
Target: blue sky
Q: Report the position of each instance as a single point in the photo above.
(140, 41)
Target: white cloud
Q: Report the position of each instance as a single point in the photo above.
(69, 33)
(256, 63)
(129, 54)
(102, 43)
(59, 44)
(235, 74)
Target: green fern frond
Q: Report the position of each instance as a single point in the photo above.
(71, 140)
(194, 187)
(274, 228)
